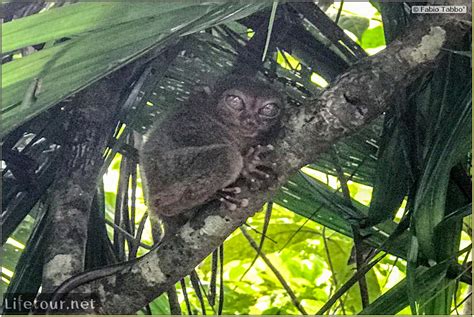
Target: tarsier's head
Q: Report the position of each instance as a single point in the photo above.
(249, 108)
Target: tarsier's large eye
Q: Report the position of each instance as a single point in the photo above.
(270, 110)
(235, 102)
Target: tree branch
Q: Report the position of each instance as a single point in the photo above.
(353, 101)
(90, 120)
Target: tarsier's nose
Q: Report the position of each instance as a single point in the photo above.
(249, 123)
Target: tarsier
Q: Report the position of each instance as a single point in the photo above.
(195, 154)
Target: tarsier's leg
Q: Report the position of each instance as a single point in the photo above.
(190, 176)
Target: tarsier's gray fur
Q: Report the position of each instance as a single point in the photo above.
(203, 147)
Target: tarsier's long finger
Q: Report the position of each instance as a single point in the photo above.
(242, 202)
(232, 190)
(228, 204)
(263, 149)
(259, 173)
(232, 204)
(250, 152)
(270, 165)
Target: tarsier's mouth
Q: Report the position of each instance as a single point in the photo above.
(248, 132)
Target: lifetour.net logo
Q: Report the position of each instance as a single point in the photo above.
(438, 9)
(26, 303)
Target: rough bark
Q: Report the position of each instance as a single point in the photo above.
(354, 100)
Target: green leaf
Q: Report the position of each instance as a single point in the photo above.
(451, 144)
(372, 38)
(391, 177)
(355, 24)
(74, 64)
(396, 299)
(318, 202)
(29, 268)
(160, 306)
(72, 20)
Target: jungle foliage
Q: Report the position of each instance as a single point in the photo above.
(404, 181)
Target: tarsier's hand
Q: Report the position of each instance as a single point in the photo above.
(257, 170)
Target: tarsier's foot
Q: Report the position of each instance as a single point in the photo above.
(256, 168)
(228, 197)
